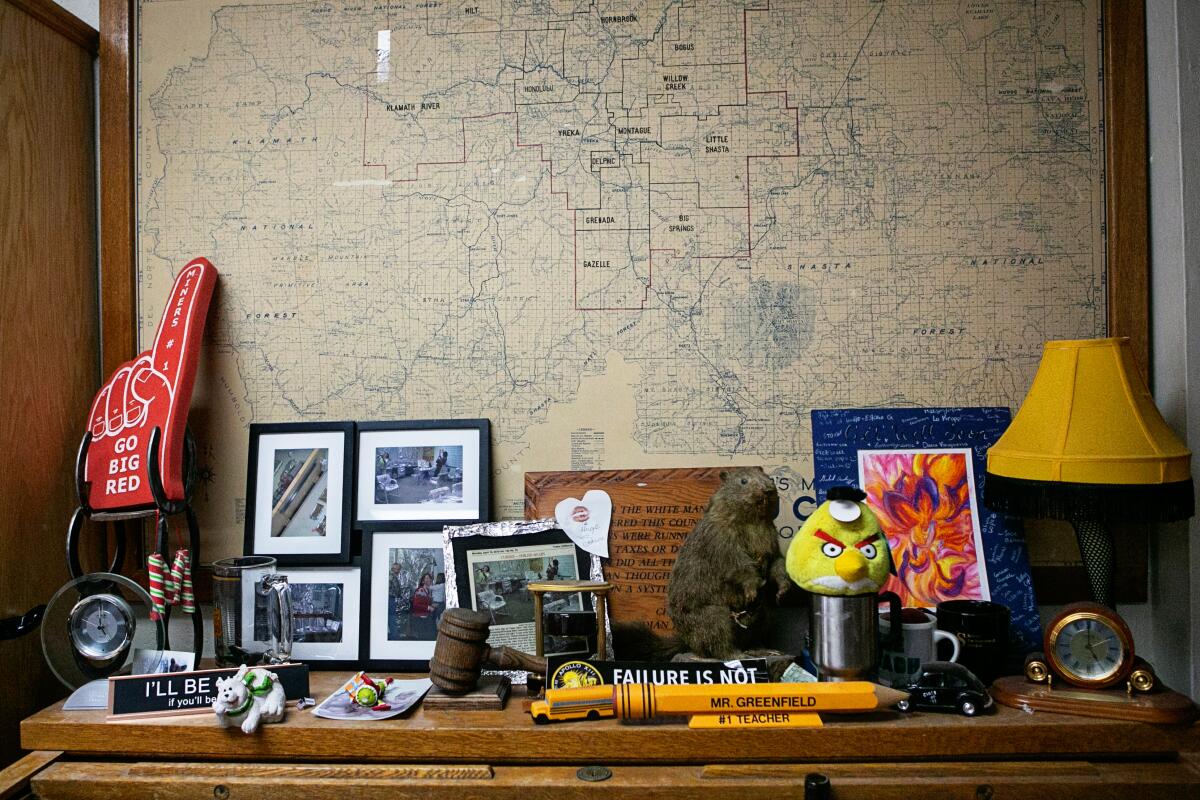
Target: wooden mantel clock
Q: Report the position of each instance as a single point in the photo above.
(1089, 667)
(1088, 645)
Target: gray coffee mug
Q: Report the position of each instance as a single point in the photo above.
(919, 638)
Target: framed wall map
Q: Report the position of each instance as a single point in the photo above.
(633, 235)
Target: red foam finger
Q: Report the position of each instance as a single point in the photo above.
(153, 390)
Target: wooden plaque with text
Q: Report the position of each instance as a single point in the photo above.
(654, 510)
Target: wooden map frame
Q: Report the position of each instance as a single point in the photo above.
(1126, 198)
(1126, 168)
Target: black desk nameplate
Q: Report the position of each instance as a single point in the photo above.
(134, 696)
(748, 670)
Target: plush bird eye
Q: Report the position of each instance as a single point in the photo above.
(832, 550)
(744, 481)
(868, 550)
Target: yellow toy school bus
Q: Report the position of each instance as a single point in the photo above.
(591, 702)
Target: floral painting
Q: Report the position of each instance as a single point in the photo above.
(926, 503)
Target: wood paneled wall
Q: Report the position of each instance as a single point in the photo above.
(49, 320)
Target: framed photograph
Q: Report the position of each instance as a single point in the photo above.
(326, 607)
(298, 492)
(405, 593)
(490, 566)
(421, 475)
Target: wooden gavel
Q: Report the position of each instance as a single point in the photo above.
(462, 651)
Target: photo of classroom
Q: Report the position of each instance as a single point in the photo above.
(502, 586)
(412, 475)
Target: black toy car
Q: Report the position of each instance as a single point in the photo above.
(945, 686)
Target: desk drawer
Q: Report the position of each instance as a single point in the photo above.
(1036, 780)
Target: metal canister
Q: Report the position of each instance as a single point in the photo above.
(844, 635)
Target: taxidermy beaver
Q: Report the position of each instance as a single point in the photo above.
(721, 575)
(728, 567)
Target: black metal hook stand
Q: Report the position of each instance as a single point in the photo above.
(14, 627)
(163, 508)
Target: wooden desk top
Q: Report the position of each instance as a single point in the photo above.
(509, 736)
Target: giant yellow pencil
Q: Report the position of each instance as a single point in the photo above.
(643, 701)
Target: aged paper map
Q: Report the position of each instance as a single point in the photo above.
(631, 234)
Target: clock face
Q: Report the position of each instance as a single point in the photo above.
(101, 627)
(1089, 649)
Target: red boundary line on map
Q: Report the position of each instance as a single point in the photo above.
(566, 195)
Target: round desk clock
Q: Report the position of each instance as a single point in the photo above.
(101, 627)
(1088, 645)
(94, 623)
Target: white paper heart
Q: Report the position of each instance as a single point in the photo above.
(586, 521)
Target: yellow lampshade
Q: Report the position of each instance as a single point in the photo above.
(1089, 418)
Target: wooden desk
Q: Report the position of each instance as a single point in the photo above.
(502, 754)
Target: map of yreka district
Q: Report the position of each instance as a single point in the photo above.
(631, 234)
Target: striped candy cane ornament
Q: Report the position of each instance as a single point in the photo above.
(181, 577)
(175, 578)
(171, 583)
(157, 568)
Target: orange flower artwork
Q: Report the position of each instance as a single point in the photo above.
(926, 505)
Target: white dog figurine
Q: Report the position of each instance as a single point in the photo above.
(249, 697)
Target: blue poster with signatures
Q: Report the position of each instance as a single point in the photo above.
(923, 472)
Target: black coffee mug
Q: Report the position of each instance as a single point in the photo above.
(982, 626)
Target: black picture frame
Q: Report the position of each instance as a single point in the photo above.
(371, 516)
(370, 610)
(525, 534)
(351, 628)
(256, 544)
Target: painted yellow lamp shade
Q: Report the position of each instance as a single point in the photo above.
(1088, 445)
(1089, 418)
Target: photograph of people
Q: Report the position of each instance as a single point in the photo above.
(422, 609)
(407, 475)
(413, 595)
(501, 586)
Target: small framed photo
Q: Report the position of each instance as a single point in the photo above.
(298, 492)
(490, 567)
(421, 475)
(326, 613)
(405, 593)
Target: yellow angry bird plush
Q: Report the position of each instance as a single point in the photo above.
(840, 549)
